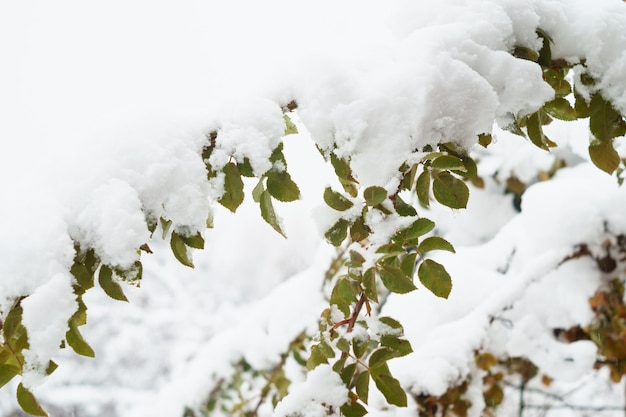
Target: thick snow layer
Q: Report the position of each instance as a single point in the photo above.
(322, 385)
(105, 109)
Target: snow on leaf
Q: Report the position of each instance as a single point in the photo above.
(233, 187)
(374, 195)
(180, 251)
(336, 201)
(110, 286)
(28, 402)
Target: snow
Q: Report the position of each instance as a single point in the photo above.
(322, 385)
(105, 109)
(45, 317)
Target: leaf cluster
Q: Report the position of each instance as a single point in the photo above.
(605, 121)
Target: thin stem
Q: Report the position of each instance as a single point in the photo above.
(355, 313)
(521, 399)
(335, 265)
(271, 378)
(352, 320)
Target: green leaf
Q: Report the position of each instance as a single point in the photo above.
(407, 265)
(179, 249)
(369, 285)
(545, 54)
(395, 280)
(420, 227)
(528, 54)
(471, 169)
(111, 287)
(353, 410)
(77, 342)
(13, 321)
(268, 213)
(317, 358)
(362, 386)
(343, 295)
(561, 109)
(535, 131)
(338, 232)
(404, 209)
(409, 178)
(486, 360)
(514, 127)
(7, 372)
(165, 226)
(327, 350)
(131, 275)
(422, 188)
(28, 402)
(20, 339)
(450, 191)
(485, 139)
(356, 259)
(379, 359)
(343, 345)
(374, 195)
(494, 396)
(435, 277)
(233, 188)
(336, 201)
(5, 353)
(278, 156)
(196, 241)
(281, 186)
(401, 347)
(393, 323)
(359, 230)
(391, 389)
(604, 156)
(257, 191)
(581, 106)
(394, 248)
(446, 162)
(341, 166)
(82, 275)
(561, 87)
(52, 366)
(347, 373)
(80, 315)
(604, 121)
(435, 243)
(290, 127)
(360, 345)
(338, 366)
(245, 168)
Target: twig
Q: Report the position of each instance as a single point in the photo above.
(335, 265)
(577, 407)
(521, 399)
(535, 391)
(565, 405)
(270, 379)
(352, 320)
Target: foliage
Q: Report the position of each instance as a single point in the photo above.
(353, 337)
